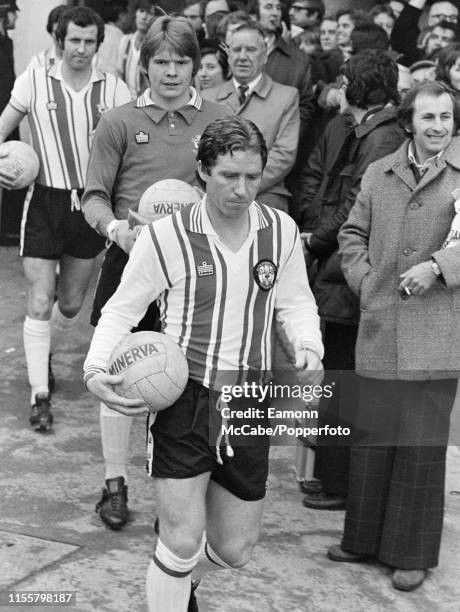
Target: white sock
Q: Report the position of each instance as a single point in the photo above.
(209, 561)
(168, 580)
(115, 430)
(37, 347)
(60, 327)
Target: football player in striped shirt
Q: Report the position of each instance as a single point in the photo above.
(64, 104)
(223, 270)
(153, 138)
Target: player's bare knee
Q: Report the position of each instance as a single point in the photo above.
(70, 309)
(182, 538)
(182, 544)
(236, 553)
(40, 304)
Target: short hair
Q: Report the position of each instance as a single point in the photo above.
(372, 79)
(358, 17)
(252, 26)
(318, 6)
(384, 8)
(176, 33)
(369, 36)
(431, 88)
(211, 45)
(446, 59)
(81, 16)
(239, 16)
(54, 16)
(111, 12)
(227, 135)
(145, 5)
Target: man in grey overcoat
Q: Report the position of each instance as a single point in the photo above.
(408, 346)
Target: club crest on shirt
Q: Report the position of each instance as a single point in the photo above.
(142, 137)
(205, 269)
(265, 274)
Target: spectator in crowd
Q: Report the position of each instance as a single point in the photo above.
(229, 23)
(116, 18)
(328, 33)
(405, 32)
(273, 107)
(384, 17)
(214, 69)
(128, 67)
(404, 81)
(304, 14)
(397, 7)
(309, 41)
(424, 70)
(408, 347)
(448, 67)
(214, 11)
(53, 226)
(192, 11)
(347, 20)
(366, 35)
(327, 68)
(287, 65)
(153, 138)
(365, 130)
(52, 54)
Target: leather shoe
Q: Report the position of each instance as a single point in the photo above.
(336, 553)
(323, 501)
(408, 580)
(310, 487)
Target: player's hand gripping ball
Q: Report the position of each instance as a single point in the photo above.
(18, 162)
(153, 367)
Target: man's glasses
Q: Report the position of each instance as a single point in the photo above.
(308, 10)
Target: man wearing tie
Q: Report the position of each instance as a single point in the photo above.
(274, 108)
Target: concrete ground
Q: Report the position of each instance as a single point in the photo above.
(52, 540)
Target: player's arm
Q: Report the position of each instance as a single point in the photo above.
(297, 312)
(142, 282)
(105, 160)
(12, 115)
(9, 120)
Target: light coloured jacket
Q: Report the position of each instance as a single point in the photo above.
(395, 224)
(274, 108)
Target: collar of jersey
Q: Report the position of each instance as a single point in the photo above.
(200, 223)
(145, 100)
(56, 72)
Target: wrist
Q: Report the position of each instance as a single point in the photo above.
(435, 268)
(110, 230)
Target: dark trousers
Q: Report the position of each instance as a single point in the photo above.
(110, 274)
(332, 459)
(395, 503)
